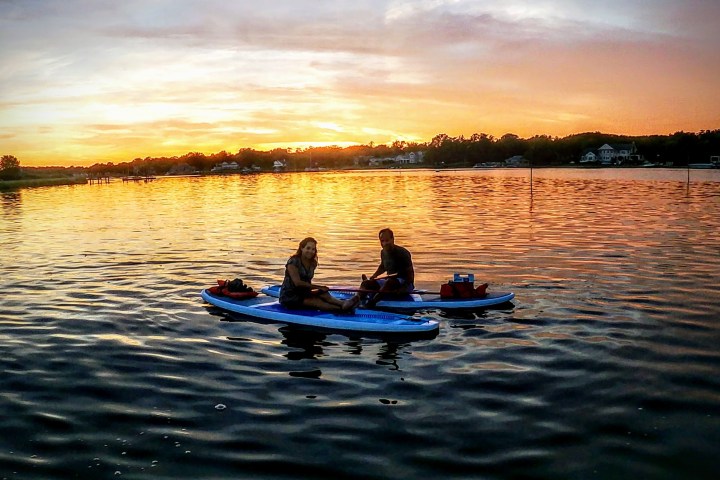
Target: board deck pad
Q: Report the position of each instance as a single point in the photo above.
(361, 320)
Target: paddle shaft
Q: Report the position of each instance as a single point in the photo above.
(365, 290)
(389, 275)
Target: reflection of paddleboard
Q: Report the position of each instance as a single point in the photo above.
(361, 321)
(416, 301)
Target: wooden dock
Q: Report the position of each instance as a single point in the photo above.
(98, 179)
(138, 178)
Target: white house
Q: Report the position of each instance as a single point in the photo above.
(225, 167)
(515, 161)
(589, 156)
(410, 158)
(607, 154)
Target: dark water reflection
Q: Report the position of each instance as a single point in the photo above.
(605, 366)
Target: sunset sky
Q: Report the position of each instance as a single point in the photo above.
(84, 81)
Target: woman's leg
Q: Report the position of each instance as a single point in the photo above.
(325, 296)
(332, 304)
(345, 305)
(320, 304)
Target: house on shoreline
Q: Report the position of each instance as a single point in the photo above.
(233, 167)
(279, 165)
(615, 154)
(409, 158)
(225, 167)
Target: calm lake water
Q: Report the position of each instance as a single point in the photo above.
(606, 365)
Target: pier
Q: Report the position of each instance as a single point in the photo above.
(100, 178)
(138, 178)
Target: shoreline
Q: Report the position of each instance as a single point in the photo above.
(10, 185)
(6, 185)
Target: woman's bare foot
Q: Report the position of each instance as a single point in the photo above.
(351, 303)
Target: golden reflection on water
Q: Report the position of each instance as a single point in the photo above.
(575, 225)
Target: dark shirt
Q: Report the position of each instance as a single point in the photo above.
(398, 261)
(291, 294)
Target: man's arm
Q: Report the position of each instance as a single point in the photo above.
(409, 271)
(409, 274)
(380, 270)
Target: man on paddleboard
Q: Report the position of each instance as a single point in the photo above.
(396, 261)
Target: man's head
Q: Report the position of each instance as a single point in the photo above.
(387, 238)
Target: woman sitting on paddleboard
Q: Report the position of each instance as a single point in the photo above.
(298, 291)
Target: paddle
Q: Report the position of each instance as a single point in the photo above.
(365, 290)
(389, 275)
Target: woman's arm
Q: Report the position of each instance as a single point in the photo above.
(298, 282)
(295, 276)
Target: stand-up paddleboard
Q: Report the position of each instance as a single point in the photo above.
(360, 321)
(418, 301)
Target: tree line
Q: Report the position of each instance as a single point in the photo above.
(679, 148)
(332, 157)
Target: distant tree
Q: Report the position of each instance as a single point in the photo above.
(247, 157)
(542, 150)
(9, 161)
(398, 146)
(511, 145)
(198, 161)
(481, 149)
(9, 168)
(709, 144)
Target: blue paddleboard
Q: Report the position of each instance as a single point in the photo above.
(360, 321)
(417, 301)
